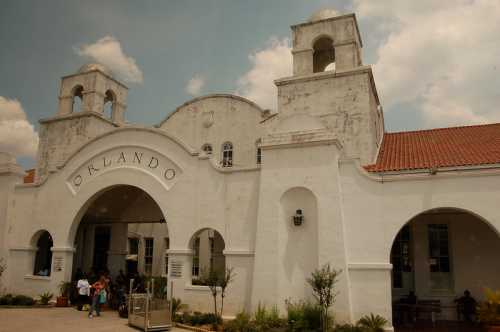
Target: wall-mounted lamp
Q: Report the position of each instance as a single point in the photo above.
(298, 218)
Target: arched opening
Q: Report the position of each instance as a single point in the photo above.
(43, 257)
(436, 257)
(298, 234)
(77, 95)
(208, 254)
(122, 233)
(323, 55)
(109, 104)
(258, 156)
(227, 154)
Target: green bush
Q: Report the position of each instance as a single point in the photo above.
(240, 324)
(197, 318)
(372, 323)
(45, 298)
(23, 300)
(6, 299)
(348, 328)
(303, 316)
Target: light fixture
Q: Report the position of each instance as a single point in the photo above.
(298, 218)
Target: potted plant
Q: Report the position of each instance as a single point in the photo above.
(489, 311)
(45, 298)
(64, 291)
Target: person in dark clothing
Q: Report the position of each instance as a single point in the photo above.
(466, 306)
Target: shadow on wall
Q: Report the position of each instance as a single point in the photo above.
(297, 243)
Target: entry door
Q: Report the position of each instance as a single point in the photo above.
(101, 247)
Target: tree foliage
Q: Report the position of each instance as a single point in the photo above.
(322, 282)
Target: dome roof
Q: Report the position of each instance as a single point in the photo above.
(323, 14)
(95, 66)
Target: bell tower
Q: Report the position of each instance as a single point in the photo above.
(331, 83)
(94, 86)
(91, 102)
(331, 43)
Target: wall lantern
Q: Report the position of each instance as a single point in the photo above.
(298, 218)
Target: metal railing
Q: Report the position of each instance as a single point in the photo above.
(147, 312)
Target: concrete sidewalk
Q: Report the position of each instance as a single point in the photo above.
(61, 320)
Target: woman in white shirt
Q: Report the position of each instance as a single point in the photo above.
(83, 291)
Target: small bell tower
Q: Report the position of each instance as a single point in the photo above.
(331, 83)
(91, 102)
(331, 43)
(93, 86)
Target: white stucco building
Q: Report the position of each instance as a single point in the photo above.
(105, 190)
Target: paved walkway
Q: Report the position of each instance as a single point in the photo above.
(62, 320)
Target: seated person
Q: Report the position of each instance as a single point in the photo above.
(466, 306)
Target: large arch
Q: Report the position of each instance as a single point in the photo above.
(101, 239)
(436, 256)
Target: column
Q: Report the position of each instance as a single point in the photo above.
(118, 248)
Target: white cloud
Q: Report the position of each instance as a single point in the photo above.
(268, 64)
(108, 51)
(17, 135)
(195, 84)
(441, 56)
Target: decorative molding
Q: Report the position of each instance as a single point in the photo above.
(63, 249)
(180, 252)
(238, 253)
(369, 266)
(33, 277)
(23, 248)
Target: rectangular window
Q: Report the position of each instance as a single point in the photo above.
(196, 258)
(167, 246)
(133, 246)
(259, 156)
(401, 257)
(148, 255)
(439, 257)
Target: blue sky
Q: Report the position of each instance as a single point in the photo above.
(435, 63)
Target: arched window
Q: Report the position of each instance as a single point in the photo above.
(43, 258)
(207, 148)
(109, 104)
(227, 154)
(77, 94)
(208, 254)
(259, 152)
(324, 55)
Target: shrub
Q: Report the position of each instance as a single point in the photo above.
(65, 288)
(304, 316)
(177, 306)
(489, 310)
(372, 323)
(348, 328)
(23, 300)
(265, 320)
(240, 324)
(45, 298)
(6, 299)
(322, 282)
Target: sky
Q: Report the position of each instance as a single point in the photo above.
(436, 63)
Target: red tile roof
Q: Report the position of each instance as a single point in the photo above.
(434, 148)
(30, 176)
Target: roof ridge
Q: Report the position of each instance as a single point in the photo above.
(443, 128)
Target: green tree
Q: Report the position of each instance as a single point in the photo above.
(224, 281)
(322, 282)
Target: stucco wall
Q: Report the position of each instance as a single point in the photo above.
(216, 119)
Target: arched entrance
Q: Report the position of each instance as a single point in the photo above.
(436, 257)
(122, 228)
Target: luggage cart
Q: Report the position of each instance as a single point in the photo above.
(147, 312)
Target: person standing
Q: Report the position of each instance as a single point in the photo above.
(83, 287)
(98, 296)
